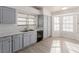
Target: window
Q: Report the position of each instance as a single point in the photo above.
(26, 20)
(21, 19)
(56, 23)
(68, 23)
(31, 22)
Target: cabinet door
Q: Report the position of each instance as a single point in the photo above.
(0, 15)
(33, 37)
(26, 39)
(21, 41)
(0, 46)
(40, 21)
(6, 45)
(45, 34)
(17, 43)
(8, 15)
(45, 21)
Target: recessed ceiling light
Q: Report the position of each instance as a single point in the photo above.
(64, 8)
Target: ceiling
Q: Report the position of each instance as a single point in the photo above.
(55, 8)
(50, 8)
(59, 8)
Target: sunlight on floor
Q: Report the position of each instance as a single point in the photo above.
(55, 48)
(72, 47)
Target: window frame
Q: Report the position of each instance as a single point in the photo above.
(66, 25)
(27, 21)
(56, 23)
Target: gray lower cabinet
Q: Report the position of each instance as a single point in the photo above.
(17, 42)
(0, 46)
(29, 38)
(26, 39)
(33, 37)
(5, 45)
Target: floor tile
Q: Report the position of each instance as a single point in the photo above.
(54, 45)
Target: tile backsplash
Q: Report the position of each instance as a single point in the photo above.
(10, 28)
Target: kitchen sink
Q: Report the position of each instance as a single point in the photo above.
(24, 31)
(27, 30)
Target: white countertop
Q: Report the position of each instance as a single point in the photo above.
(10, 33)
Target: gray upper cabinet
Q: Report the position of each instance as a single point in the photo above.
(8, 15)
(40, 21)
(17, 42)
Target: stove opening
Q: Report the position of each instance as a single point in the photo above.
(39, 35)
